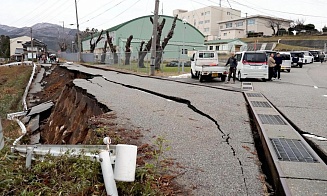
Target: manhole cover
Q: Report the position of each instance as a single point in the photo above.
(292, 150)
(253, 95)
(247, 88)
(247, 83)
(271, 119)
(263, 104)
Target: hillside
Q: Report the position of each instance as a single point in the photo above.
(48, 33)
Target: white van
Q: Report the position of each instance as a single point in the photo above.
(307, 57)
(287, 61)
(252, 64)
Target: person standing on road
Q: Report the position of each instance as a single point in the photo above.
(278, 61)
(232, 62)
(321, 57)
(271, 64)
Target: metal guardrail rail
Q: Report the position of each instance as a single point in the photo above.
(296, 168)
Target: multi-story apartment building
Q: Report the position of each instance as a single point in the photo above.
(206, 19)
(238, 28)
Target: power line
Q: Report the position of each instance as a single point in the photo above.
(102, 6)
(103, 12)
(121, 12)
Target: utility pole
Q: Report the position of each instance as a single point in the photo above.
(246, 24)
(154, 37)
(78, 37)
(32, 45)
(219, 3)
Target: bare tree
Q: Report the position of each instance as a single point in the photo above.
(159, 47)
(274, 25)
(104, 51)
(112, 48)
(93, 45)
(128, 50)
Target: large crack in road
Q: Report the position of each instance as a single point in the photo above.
(224, 136)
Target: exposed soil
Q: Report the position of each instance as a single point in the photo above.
(78, 118)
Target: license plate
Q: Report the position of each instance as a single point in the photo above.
(214, 74)
(283, 67)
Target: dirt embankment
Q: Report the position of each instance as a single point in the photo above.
(68, 122)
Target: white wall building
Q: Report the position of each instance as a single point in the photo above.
(17, 43)
(206, 19)
(236, 28)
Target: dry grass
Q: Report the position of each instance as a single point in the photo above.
(285, 47)
(288, 37)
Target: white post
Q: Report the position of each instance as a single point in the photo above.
(108, 174)
(183, 49)
(2, 141)
(29, 155)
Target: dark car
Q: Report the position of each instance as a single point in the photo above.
(187, 64)
(172, 64)
(315, 54)
(297, 59)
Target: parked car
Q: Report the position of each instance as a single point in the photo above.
(205, 66)
(297, 59)
(315, 54)
(252, 64)
(287, 62)
(307, 57)
(172, 64)
(187, 64)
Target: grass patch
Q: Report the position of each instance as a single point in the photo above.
(286, 37)
(285, 47)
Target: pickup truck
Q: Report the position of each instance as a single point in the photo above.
(205, 66)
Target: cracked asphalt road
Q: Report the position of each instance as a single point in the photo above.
(208, 129)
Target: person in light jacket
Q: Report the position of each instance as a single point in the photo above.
(271, 65)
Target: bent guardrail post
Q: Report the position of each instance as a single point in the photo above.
(2, 140)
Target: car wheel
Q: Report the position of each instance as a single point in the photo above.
(311, 60)
(300, 65)
(200, 77)
(192, 75)
(239, 76)
(223, 78)
(289, 70)
(305, 61)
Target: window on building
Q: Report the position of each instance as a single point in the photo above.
(217, 47)
(225, 34)
(221, 27)
(200, 22)
(206, 29)
(19, 42)
(202, 14)
(207, 13)
(229, 25)
(239, 24)
(194, 22)
(251, 21)
(228, 13)
(210, 47)
(207, 21)
(184, 51)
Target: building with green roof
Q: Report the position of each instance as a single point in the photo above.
(185, 36)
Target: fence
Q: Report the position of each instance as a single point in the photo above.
(170, 61)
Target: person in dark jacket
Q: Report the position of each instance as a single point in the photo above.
(232, 62)
(278, 61)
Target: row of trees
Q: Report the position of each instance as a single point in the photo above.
(298, 25)
(144, 48)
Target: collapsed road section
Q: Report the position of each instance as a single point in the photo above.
(210, 138)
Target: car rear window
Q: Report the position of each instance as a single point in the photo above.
(286, 56)
(206, 55)
(255, 57)
(297, 55)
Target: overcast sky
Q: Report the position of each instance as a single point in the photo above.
(103, 14)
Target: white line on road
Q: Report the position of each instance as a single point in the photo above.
(315, 137)
(325, 95)
(315, 86)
